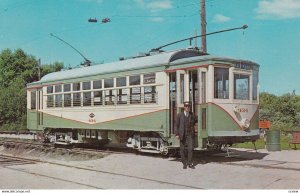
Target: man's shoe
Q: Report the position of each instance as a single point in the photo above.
(191, 166)
(184, 166)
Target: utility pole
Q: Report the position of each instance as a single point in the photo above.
(203, 25)
(39, 68)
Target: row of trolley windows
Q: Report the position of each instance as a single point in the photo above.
(107, 83)
(241, 85)
(107, 97)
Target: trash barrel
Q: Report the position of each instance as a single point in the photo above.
(273, 140)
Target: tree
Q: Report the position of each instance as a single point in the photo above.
(16, 70)
(283, 111)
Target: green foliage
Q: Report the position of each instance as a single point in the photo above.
(260, 143)
(16, 70)
(283, 111)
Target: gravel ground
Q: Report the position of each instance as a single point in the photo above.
(246, 170)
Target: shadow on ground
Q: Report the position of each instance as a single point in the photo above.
(204, 157)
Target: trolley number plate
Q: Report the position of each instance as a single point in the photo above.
(92, 120)
(243, 110)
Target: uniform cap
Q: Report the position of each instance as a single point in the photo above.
(186, 103)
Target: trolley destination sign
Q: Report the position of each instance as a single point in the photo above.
(243, 66)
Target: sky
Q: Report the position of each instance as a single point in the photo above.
(272, 39)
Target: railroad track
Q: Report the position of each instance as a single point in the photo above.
(49, 147)
(35, 161)
(206, 157)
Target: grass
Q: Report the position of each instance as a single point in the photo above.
(260, 144)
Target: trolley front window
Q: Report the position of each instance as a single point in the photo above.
(221, 83)
(241, 87)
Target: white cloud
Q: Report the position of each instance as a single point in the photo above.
(166, 4)
(157, 19)
(155, 5)
(219, 18)
(278, 9)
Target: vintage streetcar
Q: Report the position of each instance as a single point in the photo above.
(135, 101)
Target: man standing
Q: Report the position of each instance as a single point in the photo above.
(184, 131)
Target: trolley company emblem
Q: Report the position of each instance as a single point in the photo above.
(92, 115)
(92, 120)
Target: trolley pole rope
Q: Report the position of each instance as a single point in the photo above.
(193, 37)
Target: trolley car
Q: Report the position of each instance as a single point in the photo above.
(134, 101)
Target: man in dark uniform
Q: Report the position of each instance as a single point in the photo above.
(184, 131)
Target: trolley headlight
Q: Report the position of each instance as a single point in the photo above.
(236, 109)
(245, 123)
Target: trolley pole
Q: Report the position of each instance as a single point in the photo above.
(203, 25)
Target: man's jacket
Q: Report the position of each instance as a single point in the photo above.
(185, 124)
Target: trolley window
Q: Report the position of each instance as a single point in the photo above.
(87, 98)
(109, 97)
(67, 100)
(97, 84)
(33, 100)
(135, 80)
(221, 82)
(149, 78)
(255, 85)
(108, 83)
(49, 89)
(58, 88)
(58, 100)
(50, 101)
(67, 87)
(150, 94)
(76, 86)
(121, 81)
(135, 95)
(98, 98)
(86, 86)
(76, 99)
(122, 96)
(241, 87)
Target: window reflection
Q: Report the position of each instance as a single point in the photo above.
(241, 87)
(221, 82)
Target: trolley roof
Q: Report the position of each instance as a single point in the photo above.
(156, 60)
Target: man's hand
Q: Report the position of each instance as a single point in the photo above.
(177, 136)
